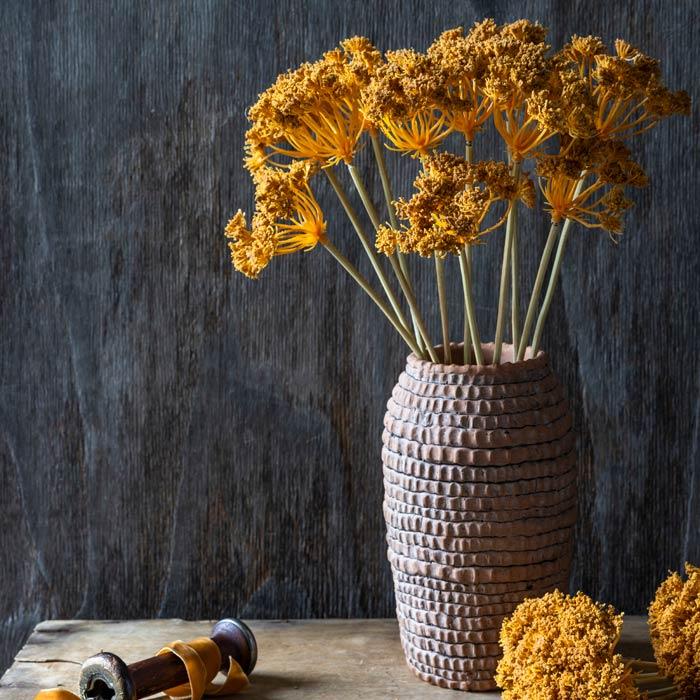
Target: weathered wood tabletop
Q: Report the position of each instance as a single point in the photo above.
(313, 659)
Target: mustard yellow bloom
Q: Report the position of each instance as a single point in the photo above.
(287, 219)
(450, 206)
(517, 81)
(464, 63)
(314, 112)
(251, 249)
(674, 622)
(605, 169)
(563, 647)
(627, 89)
(409, 101)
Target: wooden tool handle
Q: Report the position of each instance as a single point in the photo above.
(107, 676)
(159, 673)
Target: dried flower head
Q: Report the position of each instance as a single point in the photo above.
(287, 219)
(464, 64)
(559, 646)
(567, 106)
(622, 94)
(582, 50)
(314, 112)
(674, 622)
(251, 249)
(585, 183)
(450, 205)
(518, 63)
(517, 81)
(409, 101)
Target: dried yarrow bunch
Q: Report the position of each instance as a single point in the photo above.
(674, 623)
(564, 647)
(566, 120)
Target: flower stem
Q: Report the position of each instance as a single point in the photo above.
(364, 195)
(389, 197)
(467, 263)
(664, 693)
(355, 274)
(384, 177)
(465, 271)
(643, 679)
(415, 312)
(442, 298)
(537, 288)
(554, 275)
(466, 333)
(649, 665)
(514, 277)
(505, 269)
(408, 293)
(551, 286)
(369, 250)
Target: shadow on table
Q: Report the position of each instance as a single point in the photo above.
(267, 686)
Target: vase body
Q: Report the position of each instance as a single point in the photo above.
(479, 504)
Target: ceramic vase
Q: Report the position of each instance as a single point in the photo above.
(479, 503)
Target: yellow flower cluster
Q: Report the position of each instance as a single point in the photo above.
(464, 65)
(595, 94)
(314, 112)
(563, 647)
(452, 201)
(674, 622)
(568, 112)
(417, 99)
(319, 111)
(585, 182)
(287, 219)
(409, 101)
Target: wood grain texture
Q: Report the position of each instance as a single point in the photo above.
(311, 659)
(178, 441)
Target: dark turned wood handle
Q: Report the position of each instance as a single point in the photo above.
(156, 674)
(107, 676)
(159, 673)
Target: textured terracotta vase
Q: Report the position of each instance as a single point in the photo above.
(479, 503)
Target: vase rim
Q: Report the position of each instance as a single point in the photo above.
(505, 367)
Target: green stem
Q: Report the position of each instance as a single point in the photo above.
(650, 665)
(442, 299)
(514, 278)
(503, 287)
(415, 311)
(537, 288)
(551, 286)
(384, 177)
(369, 250)
(466, 333)
(467, 348)
(355, 274)
(389, 197)
(644, 679)
(663, 693)
(554, 275)
(364, 195)
(469, 151)
(465, 271)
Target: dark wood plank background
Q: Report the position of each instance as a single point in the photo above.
(178, 441)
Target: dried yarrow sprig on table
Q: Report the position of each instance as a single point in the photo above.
(674, 623)
(561, 646)
(564, 117)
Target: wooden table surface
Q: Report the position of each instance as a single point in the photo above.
(311, 659)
